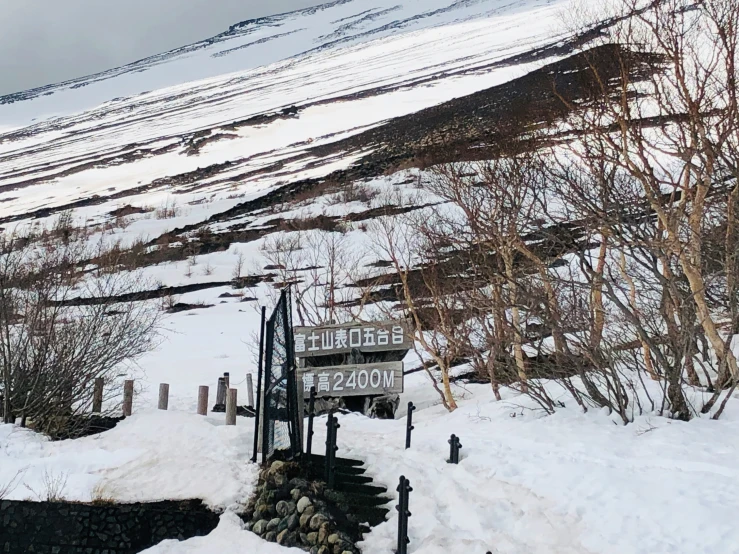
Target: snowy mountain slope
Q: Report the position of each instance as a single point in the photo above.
(131, 142)
(258, 42)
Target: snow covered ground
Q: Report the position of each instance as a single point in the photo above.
(571, 483)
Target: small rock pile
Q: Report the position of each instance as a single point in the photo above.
(293, 511)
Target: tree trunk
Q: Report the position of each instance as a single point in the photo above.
(599, 312)
(646, 351)
(516, 321)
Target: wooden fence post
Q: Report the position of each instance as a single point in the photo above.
(163, 396)
(221, 392)
(231, 407)
(227, 379)
(127, 397)
(97, 396)
(250, 390)
(203, 401)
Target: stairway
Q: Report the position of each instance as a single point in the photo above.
(354, 493)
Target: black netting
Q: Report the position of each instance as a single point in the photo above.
(281, 423)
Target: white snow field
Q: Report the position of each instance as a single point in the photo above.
(570, 483)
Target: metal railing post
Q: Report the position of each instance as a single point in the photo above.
(260, 369)
(332, 425)
(403, 489)
(311, 415)
(409, 425)
(454, 446)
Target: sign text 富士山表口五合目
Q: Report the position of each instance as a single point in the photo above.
(337, 339)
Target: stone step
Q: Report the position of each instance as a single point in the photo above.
(342, 476)
(340, 462)
(348, 470)
(318, 469)
(369, 515)
(354, 488)
(353, 479)
(356, 499)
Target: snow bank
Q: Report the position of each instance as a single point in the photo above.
(153, 455)
(567, 484)
(229, 537)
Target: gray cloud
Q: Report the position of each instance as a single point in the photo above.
(48, 41)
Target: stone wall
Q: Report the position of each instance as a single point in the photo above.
(294, 511)
(70, 528)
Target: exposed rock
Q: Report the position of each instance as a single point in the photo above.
(303, 503)
(261, 511)
(260, 527)
(285, 508)
(280, 479)
(317, 520)
(298, 483)
(323, 533)
(305, 521)
(276, 467)
(286, 538)
(384, 407)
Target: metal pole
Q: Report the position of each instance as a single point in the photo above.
(259, 388)
(267, 428)
(406, 515)
(454, 446)
(404, 490)
(329, 446)
(311, 415)
(332, 481)
(409, 425)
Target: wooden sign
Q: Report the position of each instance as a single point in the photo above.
(354, 380)
(338, 339)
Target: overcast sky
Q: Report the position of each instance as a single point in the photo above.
(48, 41)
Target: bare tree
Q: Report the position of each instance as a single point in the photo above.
(317, 265)
(423, 296)
(672, 132)
(61, 328)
